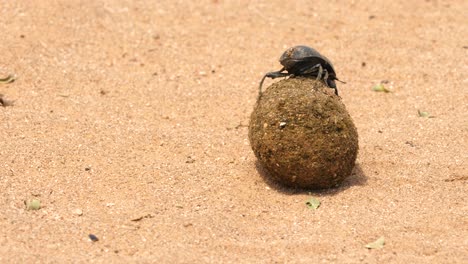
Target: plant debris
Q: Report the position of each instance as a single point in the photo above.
(33, 204)
(378, 244)
(313, 203)
(136, 219)
(9, 79)
(424, 114)
(457, 178)
(380, 88)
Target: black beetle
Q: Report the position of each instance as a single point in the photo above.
(305, 61)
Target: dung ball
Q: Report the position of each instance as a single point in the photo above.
(302, 134)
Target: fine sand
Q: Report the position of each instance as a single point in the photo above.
(129, 122)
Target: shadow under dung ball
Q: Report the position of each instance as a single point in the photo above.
(302, 134)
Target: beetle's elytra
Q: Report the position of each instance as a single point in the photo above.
(304, 61)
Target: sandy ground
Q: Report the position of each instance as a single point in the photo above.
(135, 114)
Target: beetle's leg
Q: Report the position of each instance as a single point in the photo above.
(333, 85)
(325, 77)
(329, 82)
(312, 70)
(272, 75)
(320, 71)
(277, 74)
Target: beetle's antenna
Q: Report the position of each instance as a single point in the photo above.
(339, 80)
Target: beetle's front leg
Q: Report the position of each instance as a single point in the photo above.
(276, 74)
(272, 75)
(329, 82)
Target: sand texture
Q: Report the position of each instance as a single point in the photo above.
(129, 121)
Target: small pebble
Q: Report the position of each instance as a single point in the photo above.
(78, 212)
(93, 238)
(190, 160)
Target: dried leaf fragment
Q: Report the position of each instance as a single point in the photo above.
(33, 204)
(424, 114)
(380, 88)
(379, 243)
(313, 203)
(9, 79)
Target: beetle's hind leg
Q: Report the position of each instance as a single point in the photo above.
(323, 75)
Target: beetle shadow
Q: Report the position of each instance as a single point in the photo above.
(357, 178)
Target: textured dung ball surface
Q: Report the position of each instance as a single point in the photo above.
(302, 134)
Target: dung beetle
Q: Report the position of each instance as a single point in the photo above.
(305, 61)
